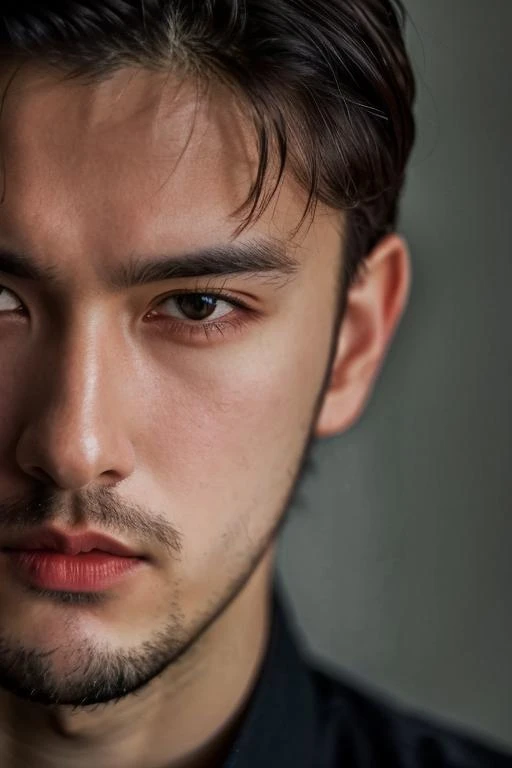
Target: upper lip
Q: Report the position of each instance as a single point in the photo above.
(69, 544)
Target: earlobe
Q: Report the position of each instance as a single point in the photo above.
(375, 304)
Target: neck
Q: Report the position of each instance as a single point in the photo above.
(185, 718)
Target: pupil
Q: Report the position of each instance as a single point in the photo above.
(197, 307)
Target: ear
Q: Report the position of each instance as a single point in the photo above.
(375, 304)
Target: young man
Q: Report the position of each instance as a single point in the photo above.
(198, 278)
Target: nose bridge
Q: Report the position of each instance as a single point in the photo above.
(76, 433)
(81, 376)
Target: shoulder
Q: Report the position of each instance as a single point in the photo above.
(360, 730)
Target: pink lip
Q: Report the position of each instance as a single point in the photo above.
(52, 559)
(89, 572)
(58, 541)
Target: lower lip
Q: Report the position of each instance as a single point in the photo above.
(86, 572)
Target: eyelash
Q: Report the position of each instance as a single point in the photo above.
(192, 328)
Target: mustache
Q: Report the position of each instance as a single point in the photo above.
(100, 507)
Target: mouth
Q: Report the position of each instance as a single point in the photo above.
(56, 540)
(88, 562)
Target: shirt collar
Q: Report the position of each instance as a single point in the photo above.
(279, 725)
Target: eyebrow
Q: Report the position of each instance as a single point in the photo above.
(19, 265)
(255, 256)
(262, 255)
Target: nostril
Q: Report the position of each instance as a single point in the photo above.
(39, 474)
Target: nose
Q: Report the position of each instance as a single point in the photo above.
(75, 431)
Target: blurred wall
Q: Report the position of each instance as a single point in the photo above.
(398, 562)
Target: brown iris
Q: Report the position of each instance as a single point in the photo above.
(197, 306)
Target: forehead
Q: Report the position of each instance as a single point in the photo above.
(129, 161)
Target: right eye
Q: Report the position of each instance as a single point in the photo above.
(9, 302)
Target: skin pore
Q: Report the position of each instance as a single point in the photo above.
(183, 438)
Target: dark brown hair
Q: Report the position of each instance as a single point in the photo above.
(329, 83)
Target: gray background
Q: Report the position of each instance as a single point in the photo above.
(398, 562)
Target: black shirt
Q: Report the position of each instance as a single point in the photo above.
(299, 716)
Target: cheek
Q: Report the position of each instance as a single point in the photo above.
(229, 426)
(14, 374)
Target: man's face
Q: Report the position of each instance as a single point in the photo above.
(189, 418)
